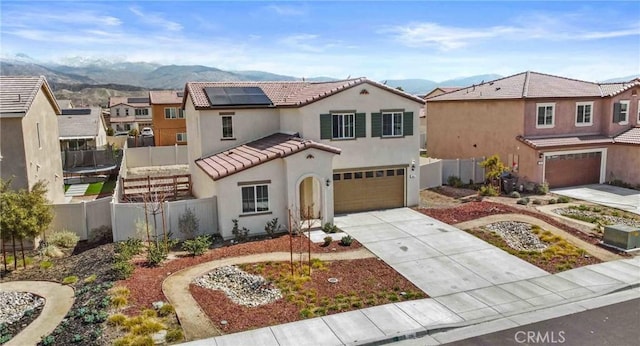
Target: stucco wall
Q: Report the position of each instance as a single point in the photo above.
(611, 128)
(165, 130)
(565, 117)
(13, 164)
(623, 163)
(43, 160)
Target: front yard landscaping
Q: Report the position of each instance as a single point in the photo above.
(599, 215)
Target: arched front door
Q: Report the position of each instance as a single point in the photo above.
(310, 198)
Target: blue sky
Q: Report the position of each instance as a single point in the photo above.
(380, 39)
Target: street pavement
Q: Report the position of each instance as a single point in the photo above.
(474, 288)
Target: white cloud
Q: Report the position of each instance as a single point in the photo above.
(443, 37)
(156, 19)
(287, 10)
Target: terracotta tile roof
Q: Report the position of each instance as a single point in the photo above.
(79, 122)
(165, 96)
(535, 85)
(288, 94)
(538, 143)
(632, 136)
(251, 154)
(18, 92)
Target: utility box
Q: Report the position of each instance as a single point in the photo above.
(622, 236)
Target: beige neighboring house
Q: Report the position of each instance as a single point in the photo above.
(128, 113)
(264, 148)
(82, 129)
(29, 144)
(546, 128)
(423, 112)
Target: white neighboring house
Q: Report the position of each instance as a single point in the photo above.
(82, 129)
(264, 148)
(128, 113)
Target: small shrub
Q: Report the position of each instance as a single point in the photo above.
(272, 227)
(174, 335)
(553, 201)
(148, 313)
(90, 279)
(523, 201)
(542, 189)
(48, 340)
(197, 246)
(166, 310)
(155, 255)
(536, 202)
(65, 239)
(129, 248)
(239, 234)
(346, 240)
(46, 265)
(327, 241)
(52, 251)
(454, 181)
(564, 199)
(188, 224)
(306, 313)
(514, 194)
(488, 190)
(329, 228)
(77, 338)
(70, 280)
(122, 269)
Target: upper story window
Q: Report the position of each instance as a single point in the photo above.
(126, 112)
(621, 112)
(343, 125)
(117, 112)
(142, 111)
(584, 113)
(173, 113)
(227, 127)
(181, 137)
(545, 115)
(255, 198)
(391, 124)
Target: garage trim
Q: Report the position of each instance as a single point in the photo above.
(603, 160)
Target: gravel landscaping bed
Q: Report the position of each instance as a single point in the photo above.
(589, 215)
(518, 235)
(18, 310)
(241, 287)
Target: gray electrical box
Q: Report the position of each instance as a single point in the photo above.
(622, 236)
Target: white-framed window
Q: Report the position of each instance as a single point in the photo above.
(255, 199)
(227, 127)
(621, 112)
(142, 111)
(126, 112)
(127, 127)
(181, 137)
(117, 112)
(343, 125)
(173, 113)
(545, 115)
(391, 124)
(584, 113)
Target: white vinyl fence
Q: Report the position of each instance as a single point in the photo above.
(127, 215)
(156, 156)
(82, 217)
(430, 173)
(435, 172)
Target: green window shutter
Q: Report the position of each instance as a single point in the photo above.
(361, 125)
(376, 124)
(325, 126)
(617, 112)
(407, 124)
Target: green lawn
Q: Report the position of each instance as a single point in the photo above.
(100, 188)
(66, 187)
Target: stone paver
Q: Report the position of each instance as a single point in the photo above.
(58, 300)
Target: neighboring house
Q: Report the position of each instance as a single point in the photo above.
(82, 129)
(267, 148)
(423, 112)
(128, 113)
(169, 127)
(546, 128)
(29, 145)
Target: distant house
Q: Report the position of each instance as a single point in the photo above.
(267, 148)
(128, 113)
(65, 104)
(546, 128)
(423, 113)
(82, 129)
(29, 139)
(169, 127)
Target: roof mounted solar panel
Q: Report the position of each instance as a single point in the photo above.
(138, 100)
(180, 93)
(76, 111)
(237, 96)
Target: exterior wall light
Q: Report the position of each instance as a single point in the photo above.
(328, 182)
(413, 165)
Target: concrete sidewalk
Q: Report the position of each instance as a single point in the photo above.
(475, 288)
(608, 195)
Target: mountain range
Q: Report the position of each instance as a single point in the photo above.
(91, 81)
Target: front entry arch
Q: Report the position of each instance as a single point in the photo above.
(310, 202)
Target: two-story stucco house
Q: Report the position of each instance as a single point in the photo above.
(264, 148)
(128, 113)
(546, 128)
(82, 129)
(29, 147)
(169, 127)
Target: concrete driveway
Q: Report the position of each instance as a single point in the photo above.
(438, 258)
(607, 195)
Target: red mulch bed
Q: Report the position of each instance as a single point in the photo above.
(146, 282)
(362, 278)
(476, 210)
